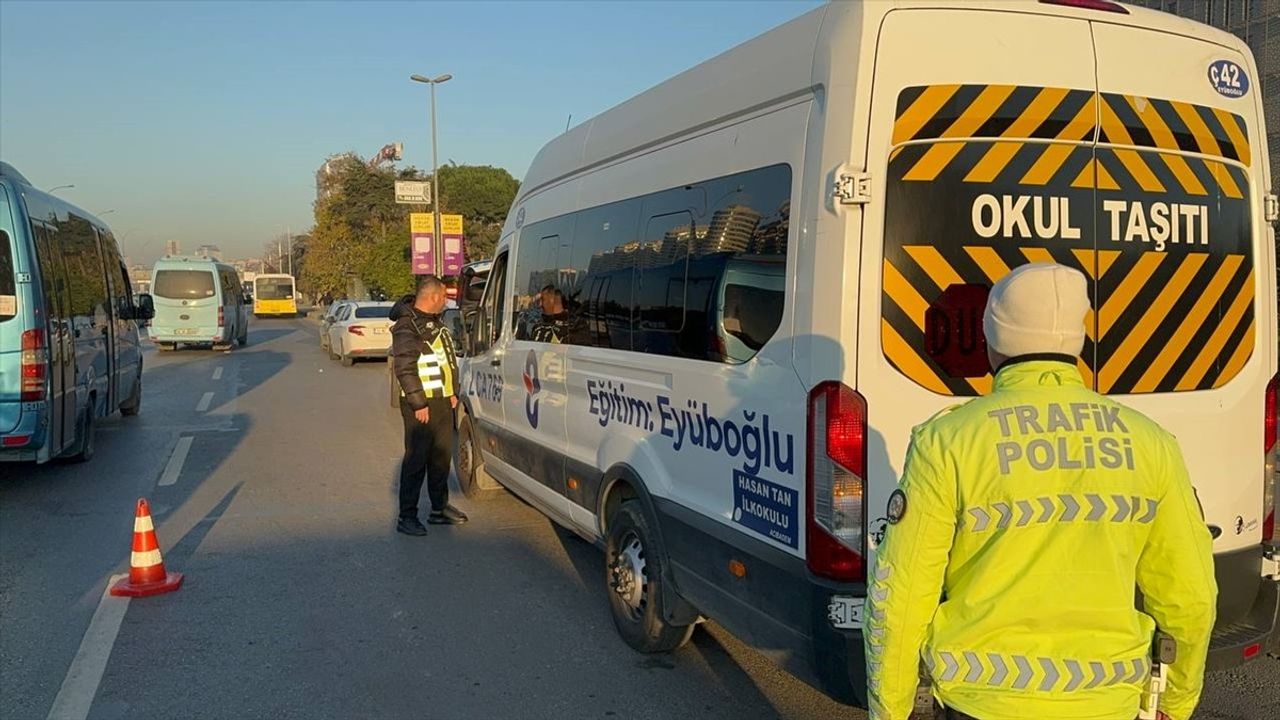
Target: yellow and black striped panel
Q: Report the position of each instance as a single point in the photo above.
(1174, 308)
(1014, 112)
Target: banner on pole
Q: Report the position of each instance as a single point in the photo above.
(422, 240)
(454, 250)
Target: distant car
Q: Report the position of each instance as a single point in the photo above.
(360, 330)
(326, 321)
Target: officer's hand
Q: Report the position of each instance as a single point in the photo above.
(453, 402)
(423, 415)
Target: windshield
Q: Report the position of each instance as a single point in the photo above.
(273, 289)
(184, 284)
(375, 311)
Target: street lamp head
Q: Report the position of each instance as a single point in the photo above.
(60, 187)
(421, 79)
(442, 78)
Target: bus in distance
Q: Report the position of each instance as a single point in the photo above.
(273, 296)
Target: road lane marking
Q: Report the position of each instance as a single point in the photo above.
(79, 687)
(179, 456)
(204, 402)
(217, 373)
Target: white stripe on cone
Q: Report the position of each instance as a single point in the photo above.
(150, 558)
(143, 524)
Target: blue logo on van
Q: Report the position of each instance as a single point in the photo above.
(1228, 78)
(531, 389)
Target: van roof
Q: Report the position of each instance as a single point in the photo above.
(773, 66)
(188, 260)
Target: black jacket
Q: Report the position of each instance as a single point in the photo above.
(416, 335)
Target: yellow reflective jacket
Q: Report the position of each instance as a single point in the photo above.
(1031, 515)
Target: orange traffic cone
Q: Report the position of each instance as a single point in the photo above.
(147, 575)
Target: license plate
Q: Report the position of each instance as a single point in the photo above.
(379, 331)
(845, 613)
(186, 331)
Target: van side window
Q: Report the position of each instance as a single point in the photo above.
(696, 271)
(79, 241)
(600, 294)
(488, 322)
(52, 278)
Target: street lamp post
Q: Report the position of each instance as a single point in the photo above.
(60, 187)
(106, 212)
(437, 242)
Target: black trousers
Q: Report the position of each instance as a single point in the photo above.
(428, 455)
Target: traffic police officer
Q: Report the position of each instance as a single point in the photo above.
(1023, 523)
(427, 370)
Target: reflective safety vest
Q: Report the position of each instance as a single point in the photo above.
(1023, 523)
(434, 369)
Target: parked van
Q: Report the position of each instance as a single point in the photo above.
(890, 161)
(198, 302)
(69, 348)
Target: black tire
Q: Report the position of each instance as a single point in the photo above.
(474, 482)
(133, 405)
(634, 565)
(86, 437)
(347, 361)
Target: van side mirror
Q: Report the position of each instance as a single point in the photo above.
(475, 291)
(146, 306)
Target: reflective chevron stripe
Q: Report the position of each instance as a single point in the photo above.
(1035, 673)
(1062, 508)
(1016, 112)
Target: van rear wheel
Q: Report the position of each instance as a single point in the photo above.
(633, 580)
(86, 436)
(133, 405)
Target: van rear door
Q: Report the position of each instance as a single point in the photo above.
(186, 302)
(11, 326)
(959, 132)
(1183, 321)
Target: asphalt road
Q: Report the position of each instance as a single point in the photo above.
(302, 602)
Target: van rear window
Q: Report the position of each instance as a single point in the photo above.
(373, 312)
(8, 287)
(183, 284)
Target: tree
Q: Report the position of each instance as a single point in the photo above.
(361, 232)
(482, 195)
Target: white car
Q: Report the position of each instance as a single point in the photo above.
(360, 330)
(326, 321)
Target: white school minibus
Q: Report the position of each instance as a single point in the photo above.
(717, 310)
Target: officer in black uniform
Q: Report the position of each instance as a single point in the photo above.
(427, 369)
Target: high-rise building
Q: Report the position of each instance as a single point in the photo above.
(731, 230)
(327, 171)
(172, 248)
(1257, 22)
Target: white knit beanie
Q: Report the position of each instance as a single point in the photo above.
(1037, 308)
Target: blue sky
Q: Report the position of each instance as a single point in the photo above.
(205, 122)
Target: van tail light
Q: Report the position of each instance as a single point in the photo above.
(222, 317)
(35, 365)
(836, 483)
(356, 330)
(1271, 462)
(1103, 5)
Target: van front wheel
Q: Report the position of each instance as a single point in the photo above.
(633, 581)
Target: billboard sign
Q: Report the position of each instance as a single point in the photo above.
(413, 192)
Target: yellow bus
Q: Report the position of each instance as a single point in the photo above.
(273, 296)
